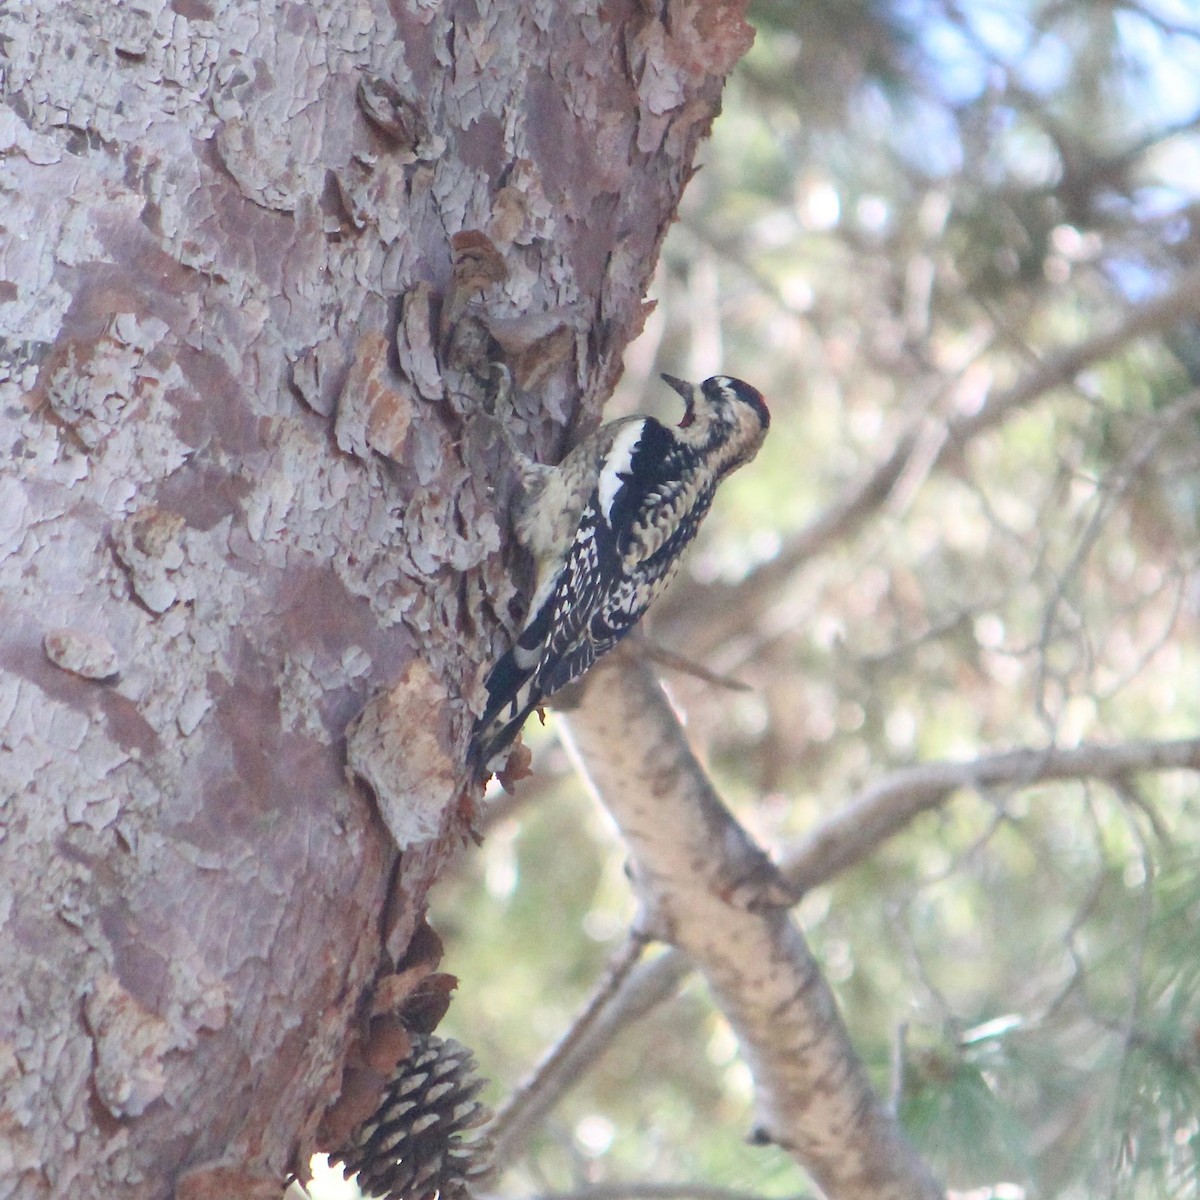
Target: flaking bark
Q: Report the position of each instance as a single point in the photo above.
(247, 488)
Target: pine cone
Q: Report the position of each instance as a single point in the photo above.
(412, 1147)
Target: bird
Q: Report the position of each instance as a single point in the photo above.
(606, 528)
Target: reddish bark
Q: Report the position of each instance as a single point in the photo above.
(249, 489)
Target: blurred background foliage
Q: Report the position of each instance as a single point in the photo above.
(908, 209)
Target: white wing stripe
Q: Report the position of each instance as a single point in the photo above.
(617, 464)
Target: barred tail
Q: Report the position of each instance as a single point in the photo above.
(512, 695)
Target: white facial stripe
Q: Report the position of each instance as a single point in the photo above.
(620, 459)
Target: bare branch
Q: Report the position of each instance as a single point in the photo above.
(720, 611)
(657, 1191)
(562, 1066)
(609, 1012)
(711, 892)
(873, 816)
(669, 660)
(882, 810)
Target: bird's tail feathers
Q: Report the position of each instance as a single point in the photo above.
(513, 694)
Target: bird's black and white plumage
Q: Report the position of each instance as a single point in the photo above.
(606, 528)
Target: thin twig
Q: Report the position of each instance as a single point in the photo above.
(656, 1191)
(1115, 487)
(870, 819)
(898, 1065)
(1136, 954)
(669, 660)
(562, 1066)
(717, 610)
(882, 810)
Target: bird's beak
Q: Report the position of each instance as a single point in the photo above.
(686, 390)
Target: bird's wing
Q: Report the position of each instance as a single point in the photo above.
(625, 553)
(641, 512)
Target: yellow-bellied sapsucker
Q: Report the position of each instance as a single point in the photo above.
(606, 529)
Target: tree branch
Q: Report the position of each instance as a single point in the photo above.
(882, 810)
(657, 1191)
(719, 610)
(561, 1067)
(712, 893)
(848, 837)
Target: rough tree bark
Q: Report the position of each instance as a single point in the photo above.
(252, 257)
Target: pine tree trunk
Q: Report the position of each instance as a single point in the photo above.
(255, 260)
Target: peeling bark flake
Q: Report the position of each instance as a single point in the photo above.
(149, 546)
(399, 746)
(130, 1043)
(373, 412)
(398, 117)
(415, 342)
(319, 376)
(88, 655)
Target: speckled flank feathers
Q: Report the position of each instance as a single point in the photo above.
(606, 529)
